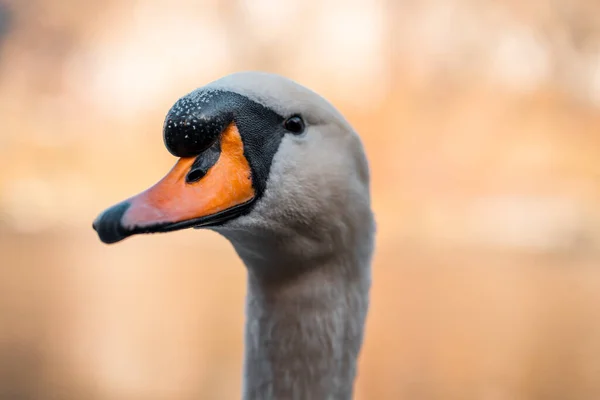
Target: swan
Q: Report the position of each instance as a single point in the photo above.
(279, 172)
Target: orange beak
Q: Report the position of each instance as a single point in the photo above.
(174, 203)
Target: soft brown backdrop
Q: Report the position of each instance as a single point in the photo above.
(481, 121)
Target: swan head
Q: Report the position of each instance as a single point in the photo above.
(260, 156)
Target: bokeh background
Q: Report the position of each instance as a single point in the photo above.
(481, 120)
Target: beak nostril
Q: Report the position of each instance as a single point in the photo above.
(204, 162)
(195, 175)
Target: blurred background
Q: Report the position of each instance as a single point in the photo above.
(481, 120)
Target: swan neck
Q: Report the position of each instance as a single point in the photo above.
(304, 332)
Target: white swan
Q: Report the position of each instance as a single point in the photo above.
(279, 172)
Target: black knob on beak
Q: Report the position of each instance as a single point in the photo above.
(194, 123)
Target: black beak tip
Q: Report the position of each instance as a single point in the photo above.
(108, 224)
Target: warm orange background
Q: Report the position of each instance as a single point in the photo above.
(481, 120)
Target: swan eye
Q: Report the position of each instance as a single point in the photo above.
(294, 124)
